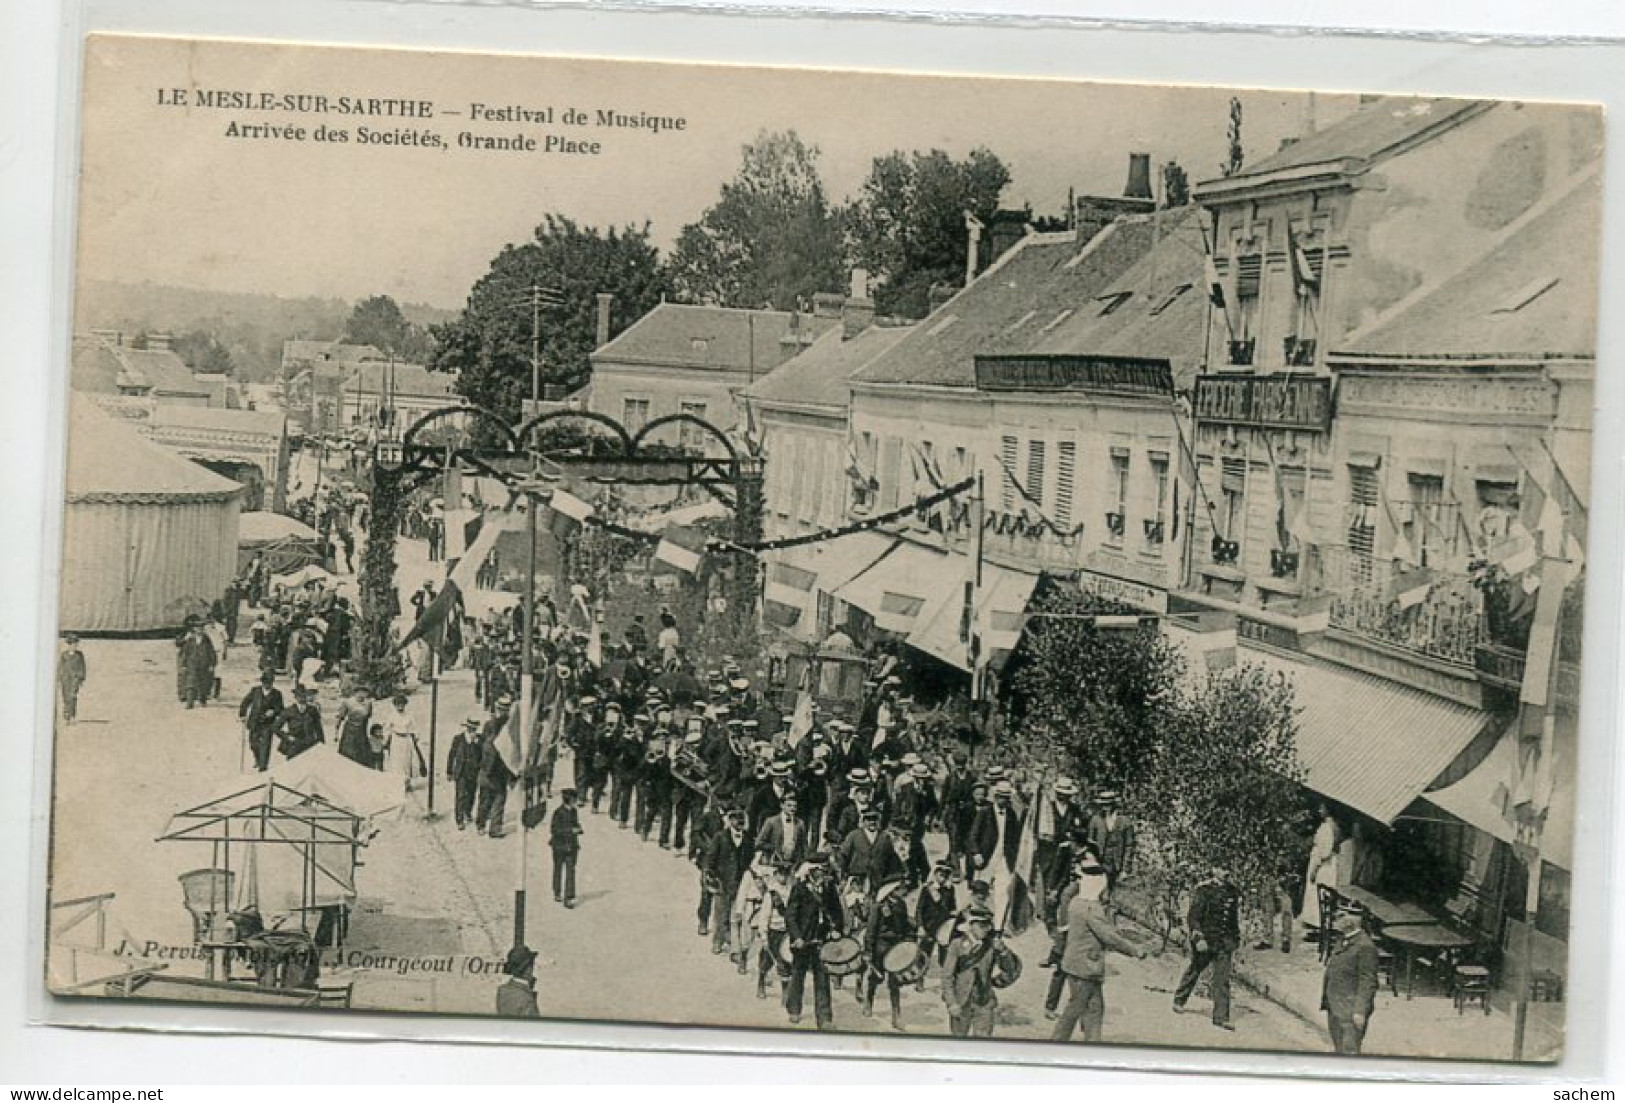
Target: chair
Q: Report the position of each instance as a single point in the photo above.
(1326, 896)
(1387, 966)
(1469, 983)
(207, 893)
(1545, 986)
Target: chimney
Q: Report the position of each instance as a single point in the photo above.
(858, 311)
(1004, 231)
(973, 247)
(604, 301)
(828, 304)
(1139, 177)
(940, 294)
(158, 342)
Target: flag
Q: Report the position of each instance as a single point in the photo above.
(801, 719)
(438, 621)
(1019, 911)
(1215, 285)
(1402, 548)
(1410, 590)
(562, 501)
(1542, 651)
(595, 643)
(675, 555)
(1303, 274)
(1283, 528)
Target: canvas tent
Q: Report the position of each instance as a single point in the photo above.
(285, 543)
(149, 536)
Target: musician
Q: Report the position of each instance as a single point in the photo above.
(889, 859)
(686, 800)
(847, 755)
(606, 742)
(812, 917)
(580, 735)
(654, 788)
(771, 936)
(937, 905)
(968, 972)
(741, 700)
(766, 801)
(888, 925)
(784, 838)
(746, 912)
(626, 763)
(726, 860)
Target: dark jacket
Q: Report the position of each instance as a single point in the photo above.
(261, 709)
(888, 925)
(299, 730)
(1349, 987)
(564, 833)
(1215, 914)
(984, 835)
(465, 760)
(727, 861)
(1115, 844)
(807, 916)
(932, 910)
(856, 853)
(771, 840)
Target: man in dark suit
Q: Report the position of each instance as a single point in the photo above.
(957, 808)
(810, 920)
(996, 835)
(857, 850)
(260, 712)
(564, 837)
(726, 860)
(1214, 925)
(1349, 988)
(982, 834)
(300, 727)
(516, 998)
(463, 766)
(1112, 836)
(784, 837)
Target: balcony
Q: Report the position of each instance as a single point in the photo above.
(1240, 353)
(1500, 666)
(1446, 624)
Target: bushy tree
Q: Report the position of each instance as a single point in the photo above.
(907, 225)
(771, 240)
(203, 353)
(1176, 186)
(488, 346)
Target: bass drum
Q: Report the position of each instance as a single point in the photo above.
(1007, 973)
(905, 963)
(842, 957)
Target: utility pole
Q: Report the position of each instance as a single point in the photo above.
(539, 297)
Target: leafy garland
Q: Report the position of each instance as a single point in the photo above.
(378, 666)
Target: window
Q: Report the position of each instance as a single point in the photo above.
(1362, 530)
(1249, 280)
(635, 414)
(1291, 484)
(690, 437)
(1497, 509)
(1109, 303)
(1424, 517)
(1156, 526)
(1008, 447)
(1118, 489)
(1169, 299)
(1232, 519)
(1035, 472)
(891, 457)
(1066, 469)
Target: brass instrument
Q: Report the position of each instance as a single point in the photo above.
(690, 769)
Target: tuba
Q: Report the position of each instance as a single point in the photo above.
(690, 769)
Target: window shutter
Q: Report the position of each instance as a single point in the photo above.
(1249, 274)
(1066, 464)
(1035, 471)
(1008, 448)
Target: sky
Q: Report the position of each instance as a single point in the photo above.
(169, 196)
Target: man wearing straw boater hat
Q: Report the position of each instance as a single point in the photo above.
(1089, 934)
(463, 765)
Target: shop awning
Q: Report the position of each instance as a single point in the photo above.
(1364, 741)
(1482, 797)
(836, 562)
(1002, 612)
(900, 586)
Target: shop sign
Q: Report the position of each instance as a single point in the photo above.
(1298, 402)
(1136, 594)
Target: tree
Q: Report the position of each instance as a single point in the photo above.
(203, 353)
(489, 345)
(907, 226)
(1091, 700)
(1176, 186)
(771, 240)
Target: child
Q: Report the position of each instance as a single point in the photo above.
(564, 836)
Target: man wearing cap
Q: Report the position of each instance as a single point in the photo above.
(463, 766)
(726, 861)
(564, 839)
(686, 801)
(70, 678)
(516, 998)
(1349, 988)
(938, 903)
(889, 924)
(766, 801)
(260, 712)
(1089, 934)
(625, 765)
(857, 850)
(967, 975)
(811, 919)
(1214, 926)
(1112, 836)
(914, 805)
(300, 726)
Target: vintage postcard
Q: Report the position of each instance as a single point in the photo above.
(823, 551)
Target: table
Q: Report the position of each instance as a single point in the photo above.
(1411, 937)
(1387, 913)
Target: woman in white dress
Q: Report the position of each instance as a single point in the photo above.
(1322, 868)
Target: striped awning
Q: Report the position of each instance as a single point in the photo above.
(1364, 741)
(1002, 612)
(898, 588)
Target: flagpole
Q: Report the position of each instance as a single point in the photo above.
(527, 685)
(973, 590)
(434, 714)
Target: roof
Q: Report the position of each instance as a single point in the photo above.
(1531, 294)
(1027, 292)
(264, 527)
(1370, 133)
(259, 422)
(710, 337)
(328, 350)
(1164, 314)
(819, 376)
(110, 461)
(99, 366)
(1366, 742)
(413, 379)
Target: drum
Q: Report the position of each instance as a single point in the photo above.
(1004, 977)
(842, 957)
(905, 962)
